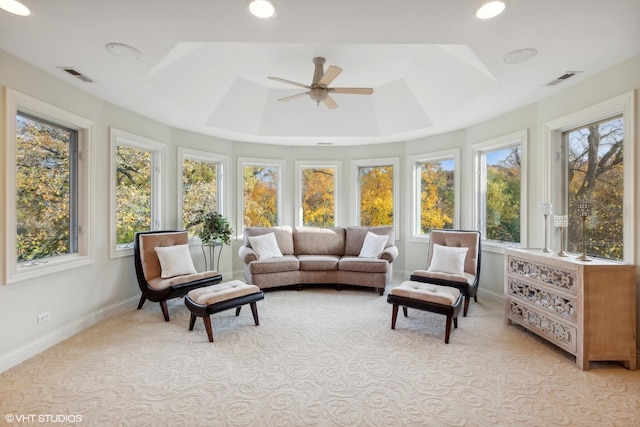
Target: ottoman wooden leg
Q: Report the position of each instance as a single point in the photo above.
(447, 331)
(394, 316)
(254, 311)
(238, 308)
(405, 311)
(207, 326)
(192, 321)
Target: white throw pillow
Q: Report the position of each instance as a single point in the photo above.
(448, 259)
(175, 261)
(265, 246)
(373, 245)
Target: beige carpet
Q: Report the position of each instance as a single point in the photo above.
(320, 357)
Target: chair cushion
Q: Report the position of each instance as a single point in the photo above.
(447, 259)
(465, 278)
(444, 295)
(175, 261)
(159, 283)
(459, 238)
(373, 245)
(148, 257)
(222, 292)
(265, 246)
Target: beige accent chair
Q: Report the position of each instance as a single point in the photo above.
(466, 281)
(149, 271)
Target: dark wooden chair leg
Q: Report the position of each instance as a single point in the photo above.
(142, 300)
(466, 306)
(405, 311)
(447, 331)
(238, 310)
(455, 322)
(394, 316)
(192, 321)
(165, 310)
(254, 311)
(381, 291)
(207, 326)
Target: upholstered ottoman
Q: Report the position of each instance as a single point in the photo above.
(203, 302)
(445, 300)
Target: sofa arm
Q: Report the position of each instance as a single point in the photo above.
(390, 253)
(247, 254)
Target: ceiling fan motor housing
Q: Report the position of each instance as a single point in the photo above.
(318, 94)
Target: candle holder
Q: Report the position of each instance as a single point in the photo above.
(545, 209)
(584, 210)
(561, 222)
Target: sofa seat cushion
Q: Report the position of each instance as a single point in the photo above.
(159, 283)
(318, 262)
(464, 278)
(275, 265)
(366, 265)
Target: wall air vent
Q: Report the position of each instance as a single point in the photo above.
(563, 77)
(78, 75)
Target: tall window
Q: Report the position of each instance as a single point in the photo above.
(595, 171)
(500, 188)
(434, 182)
(377, 187)
(136, 181)
(591, 157)
(48, 198)
(317, 194)
(260, 193)
(201, 184)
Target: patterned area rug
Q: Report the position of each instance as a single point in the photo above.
(320, 357)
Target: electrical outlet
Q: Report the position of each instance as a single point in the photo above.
(43, 317)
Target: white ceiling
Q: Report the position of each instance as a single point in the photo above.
(433, 66)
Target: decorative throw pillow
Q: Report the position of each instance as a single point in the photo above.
(175, 261)
(265, 246)
(448, 259)
(373, 245)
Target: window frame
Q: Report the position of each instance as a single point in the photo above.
(479, 180)
(16, 272)
(355, 180)
(553, 130)
(250, 161)
(415, 179)
(329, 164)
(157, 149)
(206, 157)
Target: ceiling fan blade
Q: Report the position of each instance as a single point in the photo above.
(352, 90)
(289, 98)
(329, 102)
(331, 73)
(278, 79)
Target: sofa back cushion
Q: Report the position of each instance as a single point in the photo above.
(284, 236)
(355, 237)
(319, 240)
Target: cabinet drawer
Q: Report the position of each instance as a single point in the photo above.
(544, 298)
(550, 275)
(560, 333)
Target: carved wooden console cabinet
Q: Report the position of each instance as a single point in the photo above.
(587, 308)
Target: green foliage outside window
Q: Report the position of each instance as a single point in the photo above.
(133, 192)
(199, 191)
(503, 195)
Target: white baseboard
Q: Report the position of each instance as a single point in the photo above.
(39, 345)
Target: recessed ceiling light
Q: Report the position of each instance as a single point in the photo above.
(15, 7)
(123, 50)
(263, 9)
(520, 55)
(491, 9)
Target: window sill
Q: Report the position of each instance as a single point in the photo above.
(27, 271)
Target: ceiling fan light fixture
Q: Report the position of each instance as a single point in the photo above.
(262, 9)
(491, 9)
(15, 7)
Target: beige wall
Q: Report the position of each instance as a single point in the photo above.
(81, 297)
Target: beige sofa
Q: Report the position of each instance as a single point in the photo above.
(314, 255)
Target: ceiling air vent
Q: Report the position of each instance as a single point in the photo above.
(563, 77)
(78, 75)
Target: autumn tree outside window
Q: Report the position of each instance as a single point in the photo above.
(317, 191)
(260, 202)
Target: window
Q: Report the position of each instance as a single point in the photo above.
(435, 184)
(261, 204)
(377, 187)
(201, 187)
(317, 194)
(48, 198)
(592, 154)
(136, 180)
(500, 188)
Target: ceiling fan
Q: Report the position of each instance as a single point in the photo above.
(319, 89)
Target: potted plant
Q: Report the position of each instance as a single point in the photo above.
(213, 229)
